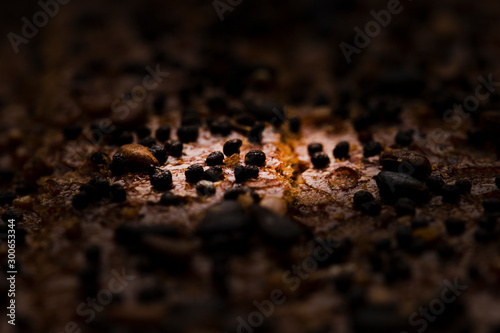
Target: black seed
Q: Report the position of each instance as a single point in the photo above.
(464, 185)
(142, 132)
(450, 193)
(405, 206)
(187, 133)
(244, 172)
(255, 157)
(161, 181)
(194, 173)
(169, 199)
(491, 205)
(371, 208)
(102, 185)
(151, 170)
(205, 188)
(7, 197)
(408, 162)
(147, 141)
(455, 226)
(220, 127)
(81, 200)
(362, 197)
(404, 138)
(118, 165)
(240, 174)
(341, 150)
(255, 133)
(497, 181)
(313, 148)
(72, 132)
(372, 149)
(92, 191)
(12, 214)
(99, 158)
(118, 193)
(393, 185)
(160, 153)
(162, 134)
(213, 174)
(435, 184)
(320, 160)
(176, 148)
(419, 223)
(232, 147)
(294, 124)
(215, 158)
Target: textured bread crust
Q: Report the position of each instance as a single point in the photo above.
(82, 75)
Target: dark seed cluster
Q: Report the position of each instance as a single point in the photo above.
(97, 189)
(243, 173)
(160, 153)
(162, 180)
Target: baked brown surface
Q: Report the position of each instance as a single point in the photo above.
(201, 264)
